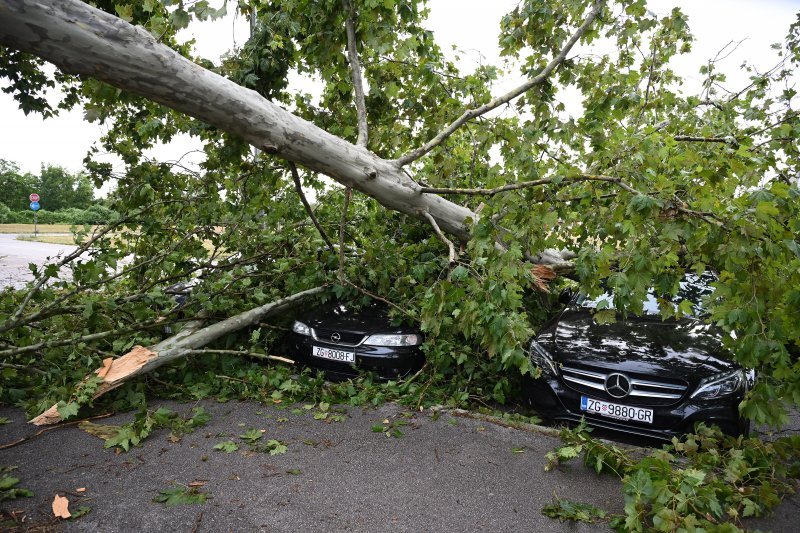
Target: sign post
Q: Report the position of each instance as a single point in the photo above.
(34, 198)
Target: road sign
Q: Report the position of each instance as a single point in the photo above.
(35, 206)
(33, 198)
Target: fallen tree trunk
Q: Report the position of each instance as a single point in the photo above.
(83, 40)
(141, 360)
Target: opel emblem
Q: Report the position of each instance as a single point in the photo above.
(618, 385)
(336, 337)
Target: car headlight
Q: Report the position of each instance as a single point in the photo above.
(301, 328)
(542, 358)
(720, 385)
(393, 340)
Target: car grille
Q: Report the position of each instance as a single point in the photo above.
(643, 391)
(346, 338)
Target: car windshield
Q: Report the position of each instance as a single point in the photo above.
(693, 288)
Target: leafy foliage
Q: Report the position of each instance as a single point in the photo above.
(272, 447)
(703, 481)
(575, 511)
(8, 488)
(146, 422)
(647, 180)
(182, 496)
(227, 446)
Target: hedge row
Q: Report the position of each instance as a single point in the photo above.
(96, 214)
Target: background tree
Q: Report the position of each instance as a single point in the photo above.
(14, 186)
(645, 183)
(59, 189)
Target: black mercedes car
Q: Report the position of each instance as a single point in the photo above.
(640, 374)
(342, 340)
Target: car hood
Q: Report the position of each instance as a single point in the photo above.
(373, 318)
(686, 348)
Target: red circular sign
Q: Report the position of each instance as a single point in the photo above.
(33, 197)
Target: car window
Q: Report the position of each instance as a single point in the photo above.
(693, 288)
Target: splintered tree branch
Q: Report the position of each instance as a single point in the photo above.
(450, 246)
(348, 192)
(355, 73)
(299, 187)
(140, 360)
(506, 98)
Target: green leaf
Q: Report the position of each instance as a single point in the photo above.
(227, 446)
(180, 18)
(67, 410)
(574, 511)
(125, 12)
(182, 496)
(251, 435)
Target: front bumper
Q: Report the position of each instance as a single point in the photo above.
(553, 400)
(388, 362)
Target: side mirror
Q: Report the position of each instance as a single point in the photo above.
(565, 297)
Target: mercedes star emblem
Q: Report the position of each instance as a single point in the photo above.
(618, 385)
(336, 337)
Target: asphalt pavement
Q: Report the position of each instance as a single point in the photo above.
(15, 256)
(450, 473)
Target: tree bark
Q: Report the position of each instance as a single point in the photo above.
(80, 39)
(140, 360)
(83, 40)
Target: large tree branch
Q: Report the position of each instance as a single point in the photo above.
(355, 72)
(140, 360)
(526, 185)
(83, 40)
(506, 98)
(679, 206)
(299, 187)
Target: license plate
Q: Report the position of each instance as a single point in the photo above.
(615, 410)
(334, 355)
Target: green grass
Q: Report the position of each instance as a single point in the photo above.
(51, 239)
(28, 228)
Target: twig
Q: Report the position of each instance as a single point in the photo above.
(450, 246)
(525, 185)
(242, 352)
(197, 522)
(24, 368)
(298, 186)
(504, 99)
(376, 297)
(355, 73)
(723, 140)
(348, 192)
(45, 430)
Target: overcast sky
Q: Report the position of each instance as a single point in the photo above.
(471, 25)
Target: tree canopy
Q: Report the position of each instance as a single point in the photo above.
(58, 188)
(459, 205)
